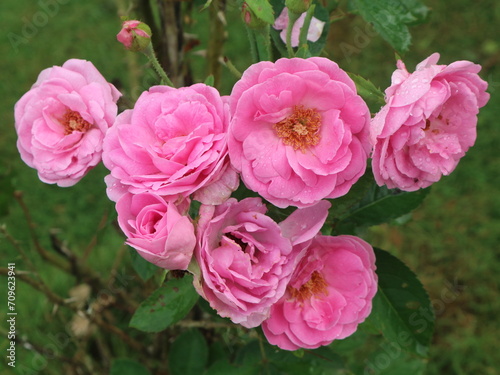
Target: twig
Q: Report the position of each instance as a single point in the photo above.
(38, 285)
(100, 227)
(116, 263)
(18, 247)
(118, 332)
(93, 318)
(56, 261)
(217, 22)
(206, 325)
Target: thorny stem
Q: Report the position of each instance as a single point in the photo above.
(263, 39)
(150, 54)
(292, 18)
(230, 66)
(305, 27)
(253, 46)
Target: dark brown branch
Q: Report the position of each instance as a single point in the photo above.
(61, 302)
(56, 261)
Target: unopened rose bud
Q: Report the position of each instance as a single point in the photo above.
(250, 18)
(134, 35)
(298, 6)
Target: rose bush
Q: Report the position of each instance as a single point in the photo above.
(157, 229)
(428, 123)
(62, 120)
(299, 131)
(246, 259)
(329, 294)
(172, 143)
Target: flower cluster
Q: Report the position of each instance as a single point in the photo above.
(294, 131)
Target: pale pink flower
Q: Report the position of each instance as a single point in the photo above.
(246, 259)
(173, 143)
(313, 33)
(299, 131)
(330, 293)
(428, 123)
(157, 229)
(61, 121)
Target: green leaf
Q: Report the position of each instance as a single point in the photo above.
(303, 52)
(262, 9)
(188, 354)
(143, 268)
(223, 367)
(209, 81)
(367, 90)
(401, 309)
(127, 367)
(391, 360)
(166, 306)
(378, 205)
(391, 17)
(207, 4)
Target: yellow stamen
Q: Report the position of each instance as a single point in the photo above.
(301, 129)
(314, 287)
(73, 121)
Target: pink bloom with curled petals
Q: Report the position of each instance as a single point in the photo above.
(246, 258)
(428, 123)
(173, 143)
(299, 131)
(157, 229)
(330, 293)
(62, 120)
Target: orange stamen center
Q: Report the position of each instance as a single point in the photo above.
(315, 286)
(73, 121)
(301, 129)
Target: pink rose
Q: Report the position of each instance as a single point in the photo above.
(330, 293)
(61, 121)
(428, 123)
(299, 131)
(134, 35)
(172, 143)
(157, 230)
(313, 33)
(246, 259)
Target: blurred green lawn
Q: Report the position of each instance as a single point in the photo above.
(454, 237)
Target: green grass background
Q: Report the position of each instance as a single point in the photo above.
(454, 236)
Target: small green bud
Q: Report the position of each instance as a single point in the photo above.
(250, 18)
(298, 6)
